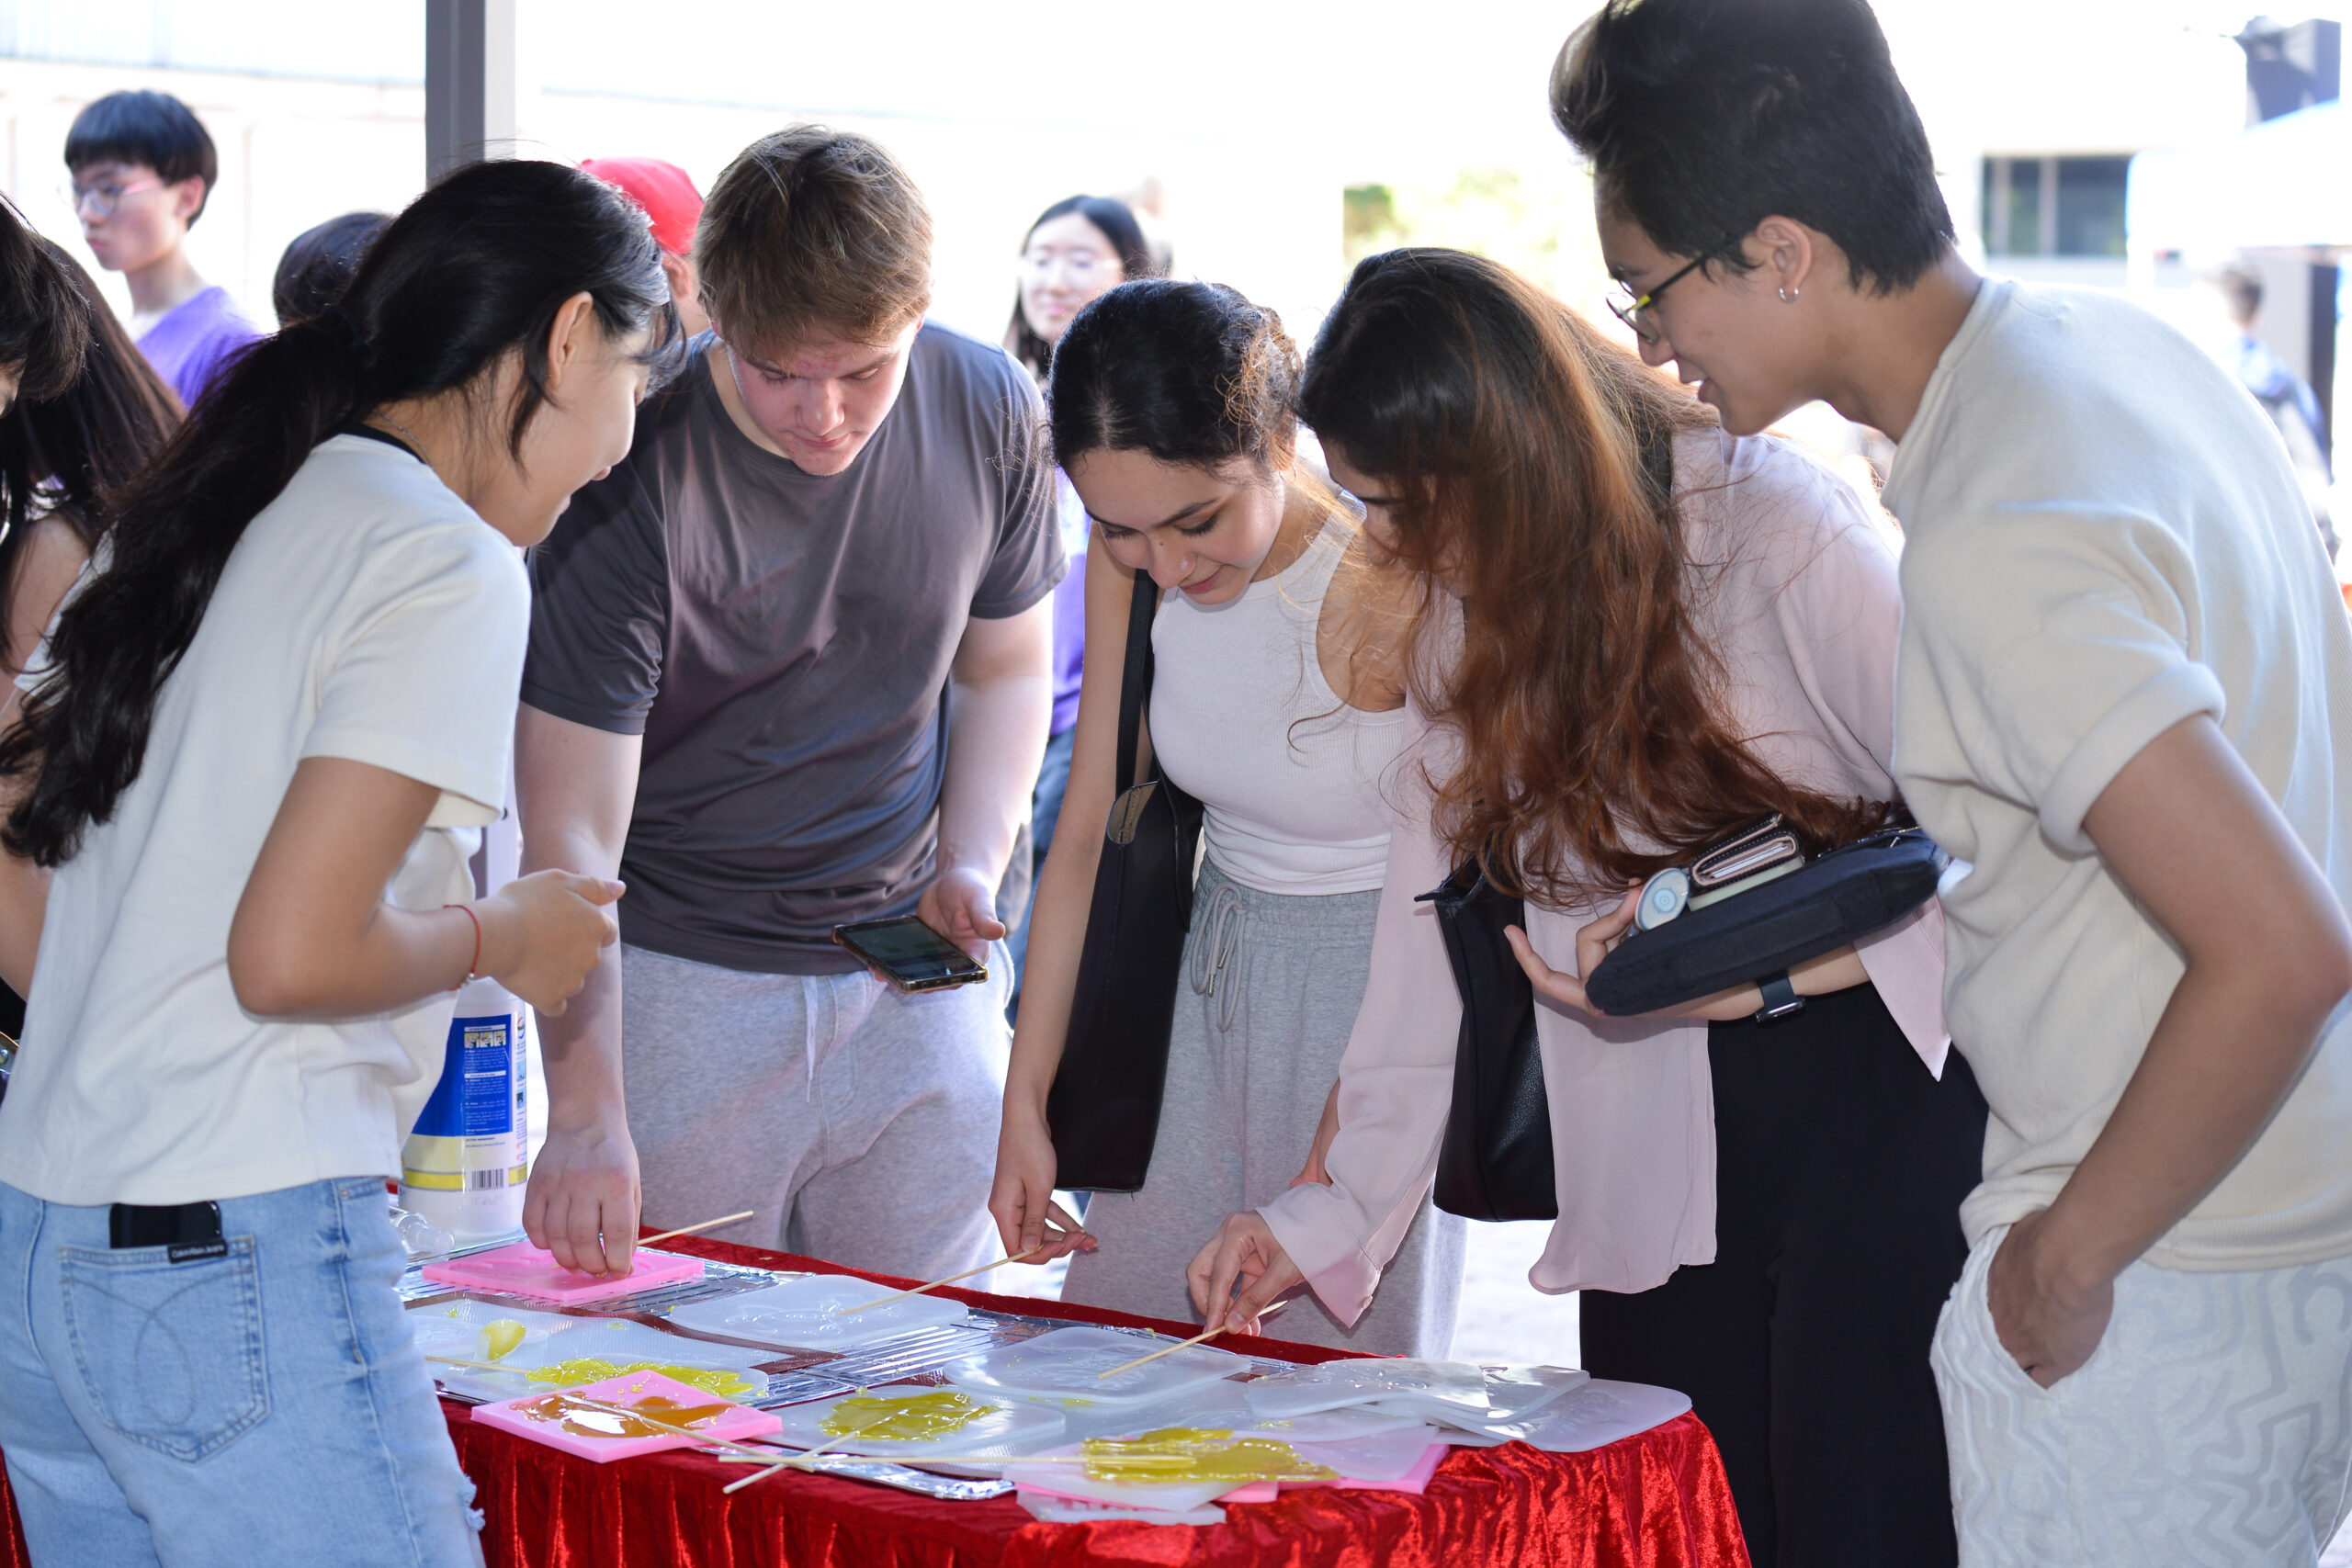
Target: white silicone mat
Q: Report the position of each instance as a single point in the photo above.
(1513, 1394)
(1427, 1389)
(1597, 1414)
(805, 1314)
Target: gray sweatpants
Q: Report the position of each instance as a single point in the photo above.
(1273, 982)
(859, 1122)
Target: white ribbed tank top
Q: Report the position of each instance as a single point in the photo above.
(1242, 719)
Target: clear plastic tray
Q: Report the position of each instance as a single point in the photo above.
(804, 1313)
(1513, 1394)
(1006, 1426)
(1427, 1389)
(1066, 1364)
(549, 1337)
(1597, 1414)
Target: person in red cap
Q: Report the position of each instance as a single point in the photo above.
(669, 198)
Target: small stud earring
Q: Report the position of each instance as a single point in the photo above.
(1789, 296)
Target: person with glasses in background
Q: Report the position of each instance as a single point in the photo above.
(1079, 249)
(144, 166)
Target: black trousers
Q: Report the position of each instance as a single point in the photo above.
(1841, 1166)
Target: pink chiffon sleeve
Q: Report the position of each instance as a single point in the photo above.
(1395, 1085)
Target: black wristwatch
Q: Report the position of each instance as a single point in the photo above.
(1780, 998)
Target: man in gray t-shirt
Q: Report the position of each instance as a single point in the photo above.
(789, 667)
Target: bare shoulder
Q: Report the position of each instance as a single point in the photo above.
(1364, 630)
(48, 563)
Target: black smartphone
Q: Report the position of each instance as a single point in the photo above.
(909, 954)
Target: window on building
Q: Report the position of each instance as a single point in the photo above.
(2054, 206)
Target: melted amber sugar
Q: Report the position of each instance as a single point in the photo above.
(582, 1419)
(913, 1417)
(1199, 1453)
(584, 1370)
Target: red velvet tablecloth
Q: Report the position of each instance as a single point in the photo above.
(1656, 1499)
(1659, 1498)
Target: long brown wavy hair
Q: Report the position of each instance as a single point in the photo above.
(1531, 461)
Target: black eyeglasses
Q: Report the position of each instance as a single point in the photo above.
(1640, 311)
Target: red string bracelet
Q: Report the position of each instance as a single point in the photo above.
(473, 966)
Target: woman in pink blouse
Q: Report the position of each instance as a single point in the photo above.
(1613, 668)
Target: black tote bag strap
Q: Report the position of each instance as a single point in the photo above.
(1134, 684)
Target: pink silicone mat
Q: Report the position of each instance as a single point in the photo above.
(666, 1397)
(528, 1271)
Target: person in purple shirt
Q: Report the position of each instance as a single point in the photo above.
(1079, 247)
(144, 166)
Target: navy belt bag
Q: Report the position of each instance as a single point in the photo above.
(1848, 894)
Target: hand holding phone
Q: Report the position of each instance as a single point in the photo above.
(908, 956)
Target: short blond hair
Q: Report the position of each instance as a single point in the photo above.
(814, 232)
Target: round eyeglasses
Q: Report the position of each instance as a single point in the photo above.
(101, 199)
(1081, 267)
(1639, 311)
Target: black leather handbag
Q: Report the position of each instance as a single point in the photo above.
(1846, 895)
(1496, 1161)
(1103, 1109)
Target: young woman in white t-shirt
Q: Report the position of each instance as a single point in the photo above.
(1275, 702)
(254, 756)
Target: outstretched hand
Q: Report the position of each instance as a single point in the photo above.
(1237, 1278)
(1034, 1228)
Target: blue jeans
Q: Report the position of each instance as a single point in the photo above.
(266, 1407)
(1044, 815)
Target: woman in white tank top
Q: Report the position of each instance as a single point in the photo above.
(1278, 704)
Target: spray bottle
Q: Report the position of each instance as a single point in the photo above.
(467, 1163)
(468, 1160)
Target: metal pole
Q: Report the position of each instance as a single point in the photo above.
(468, 83)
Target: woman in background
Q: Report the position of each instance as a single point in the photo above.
(1079, 248)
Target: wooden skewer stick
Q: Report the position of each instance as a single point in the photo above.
(706, 1224)
(1166, 1350)
(485, 1366)
(880, 1301)
(803, 1458)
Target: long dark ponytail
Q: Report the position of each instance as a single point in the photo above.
(475, 269)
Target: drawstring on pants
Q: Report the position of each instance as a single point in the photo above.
(1223, 924)
(813, 993)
